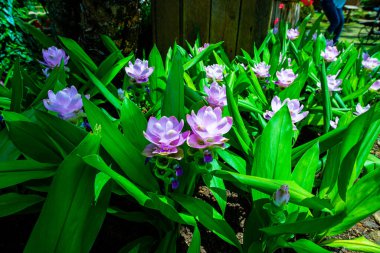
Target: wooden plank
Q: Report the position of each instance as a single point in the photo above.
(255, 17)
(166, 23)
(224, 24)
(196, 19)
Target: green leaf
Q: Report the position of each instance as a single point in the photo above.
(121, 149)
(168, 243)
(17, 88)
(140, 245)
(110, 45)
(361, 244)
(7, 150)
(78, 54)
(304, 172)
(115, 70)
(195, 245)
(133, 123)
(11, 203)
(273, 149)
(201, 56)
(298, 195)
(44, 40)
(33, 141)
(209, 218)
(69, 221)
(233, 160)
(101, 179)
(313, 225)
(97, 162)
(173, 101)
(103, 89)
(327, 114)
(15, 172)
(155, 60)
(306, 246)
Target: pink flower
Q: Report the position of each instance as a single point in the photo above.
(139, 71)
(165, 137)
(205, 45)
(281, 196)
(215, 72)
(276, 21)
(330, 54)
(261, 70)
(53, 57)
(370, 63)
(208, 127)
(281, 6)
(294, 107)
(292, 34)
(216, 95)
(67, 103)
(333, 83)
(360, 109)
(285, 77)
(334, 123)
(375, 85)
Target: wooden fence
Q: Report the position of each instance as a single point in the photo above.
(239, 23)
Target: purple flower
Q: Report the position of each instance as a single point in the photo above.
(330, 54)
(215, 72)
(334, 123)
(53, 57)
(285, 77)
(261, 70)
(369, 63)
(205, 45)
(361, 110)
(67, 102)
(165, 137)
(208, 127)
(281, 196)
(121, 94)
(216, 95)
(292, 34)
(178, 170)
(333, 83)
(207, 156)
(175, 183)
(294, 107)
(315, 35)
(375, 85)
(139, 71)
(329, 43)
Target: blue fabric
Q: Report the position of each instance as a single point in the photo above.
(335, 17)
(339, 3)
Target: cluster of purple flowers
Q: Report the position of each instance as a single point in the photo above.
(294, 107)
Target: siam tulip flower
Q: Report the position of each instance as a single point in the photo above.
(275, 29)
(215, 72)
(370, 63)
(360, 109)
(333, 83)
(330, 54)
(67, 102)
(285, 77)
(140, 71)
(334, 123)
(53, 57)
(175, 183)
(329, 43)
(294, 107)
(165, 137)
(216, 95)
(261, 70)
(178, 170)
(281, 196)
(292, 34)
(121, 94)
(208, 127)
(375, 85)
(205, 45)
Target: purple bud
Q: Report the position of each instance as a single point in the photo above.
(178, 170)
(175, 183)
(207, 156)
(281, 196)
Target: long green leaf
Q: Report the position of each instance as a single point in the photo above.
(361, 244)
(17, 88)
(11, 203)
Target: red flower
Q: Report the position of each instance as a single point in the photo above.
(281, 6)
(307, 2)
(276, 21)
